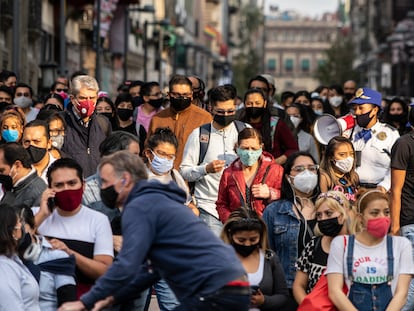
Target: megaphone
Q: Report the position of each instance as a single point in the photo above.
(327, 127)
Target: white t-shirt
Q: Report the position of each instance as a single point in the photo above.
(370, 262)
(86, 226)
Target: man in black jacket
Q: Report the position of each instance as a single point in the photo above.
(85, 129)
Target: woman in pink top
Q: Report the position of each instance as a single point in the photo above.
(153, 100)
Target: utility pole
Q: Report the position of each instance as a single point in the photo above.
(62, 40)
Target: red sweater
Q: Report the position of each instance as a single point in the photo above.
(232, 189)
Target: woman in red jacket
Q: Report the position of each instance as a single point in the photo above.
(252, 181)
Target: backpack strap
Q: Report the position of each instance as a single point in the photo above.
(240, 126)
(390, 260)
(273, 123)
(350, 256)
(265, 174)
(204, 139)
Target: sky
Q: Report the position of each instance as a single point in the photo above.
(305, 7)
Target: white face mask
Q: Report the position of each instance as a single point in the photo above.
(295, 121)
(305, 181)
(318, 112)
(57, 141)
(335, 101)
(345, 165)
(22, 101)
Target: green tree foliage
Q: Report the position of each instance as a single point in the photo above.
(247, 63)
(338, 65)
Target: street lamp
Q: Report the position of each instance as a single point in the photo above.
(145, 8)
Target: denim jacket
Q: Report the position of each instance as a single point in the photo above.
(283, 230)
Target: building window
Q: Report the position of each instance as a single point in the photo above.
(288, 65)
(321, 62)
(271, 64)
(305, 65)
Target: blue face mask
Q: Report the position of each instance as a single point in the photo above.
(249, 157)
(161, 166)
(10, 135)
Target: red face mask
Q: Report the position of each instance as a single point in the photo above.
(85, 107)
(379, 227)
(69, 200)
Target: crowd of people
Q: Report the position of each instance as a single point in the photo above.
(211, 200)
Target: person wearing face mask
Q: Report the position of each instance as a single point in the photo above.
(336, 105)
(350, 87)
(372, 141)
(124, 112)
(36, 140)
(152, 103)
(204, 166)
(54, 269)
(18, 289)
(23, 98)
(105, 106)
(337, 168)
(72, 227)
(181, 116)
(332, 215)
(376, 268)
(396, 115)
(246, 232)
(301, 129)
(290, 220)
(17, 164)
(85, 130)
(11, 124)
(277, 137)
(252, 181)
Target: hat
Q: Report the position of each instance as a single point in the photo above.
(269, 78)
(366, 96)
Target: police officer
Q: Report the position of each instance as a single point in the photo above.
(372, 141)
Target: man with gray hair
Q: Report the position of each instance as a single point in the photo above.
(85, 129)
(202, 271)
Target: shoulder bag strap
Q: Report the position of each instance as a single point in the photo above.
(390, 259)
(350, 257)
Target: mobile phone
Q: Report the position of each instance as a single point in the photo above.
(51, 204)
(254, 289)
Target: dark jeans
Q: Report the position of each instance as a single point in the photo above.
(229, 298)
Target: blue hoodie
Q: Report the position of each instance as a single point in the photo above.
(180, 246)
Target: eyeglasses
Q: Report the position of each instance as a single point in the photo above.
(62, 90)
(176, 95)
(22, 94)
(301, 168)
(164, 155)
(224, 112)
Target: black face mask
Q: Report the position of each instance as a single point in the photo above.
(109, 196)
(180, 103)
(36, 153)
(348, 97)
(107, 114)
(124, 114)
(156, 103)
(224, 120)
(137, 101)
(397, 117)
(330, 227)
(244, 250)
(3, 106)
(7, 182)
(363, 119)
(255, 112)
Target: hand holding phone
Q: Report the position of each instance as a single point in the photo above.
(51, 204)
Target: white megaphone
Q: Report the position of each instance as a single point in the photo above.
(327, 127)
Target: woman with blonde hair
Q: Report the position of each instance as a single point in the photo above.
(247, 233)
(376, 268)
(332, 215)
